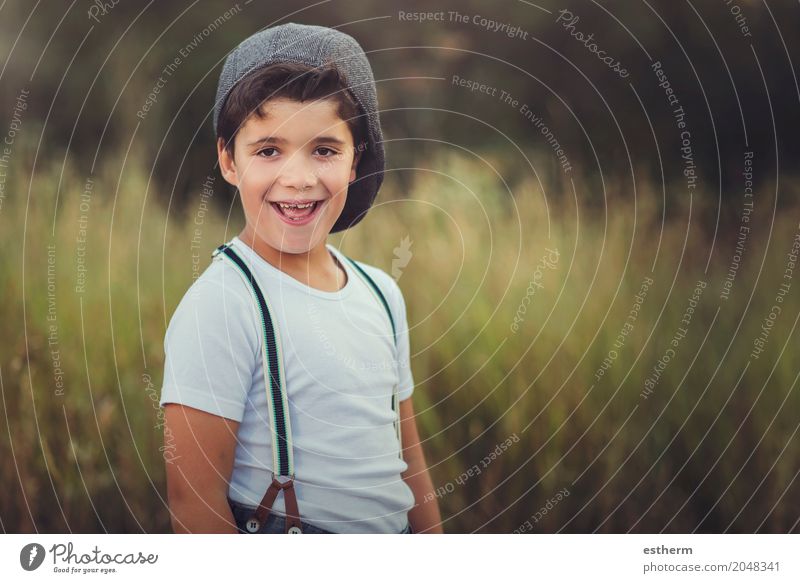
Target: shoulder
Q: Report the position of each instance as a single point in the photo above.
(219, 297)
(212, 345)
(219, 282)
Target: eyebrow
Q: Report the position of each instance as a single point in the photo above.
(279, 140)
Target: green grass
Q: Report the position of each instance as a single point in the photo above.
(89, 459)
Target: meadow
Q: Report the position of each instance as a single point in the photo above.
(557, 390)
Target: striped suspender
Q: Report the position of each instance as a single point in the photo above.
(278, 405)
(377, 292)
(277, 401)
(273, 372)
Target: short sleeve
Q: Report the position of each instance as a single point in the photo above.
(406, 386)
(211, 348)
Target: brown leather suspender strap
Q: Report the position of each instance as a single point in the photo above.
(293, 525)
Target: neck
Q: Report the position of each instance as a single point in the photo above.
(316, 260)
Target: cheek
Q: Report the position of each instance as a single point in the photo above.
(257, 175)
(336, 178)
(256, 182)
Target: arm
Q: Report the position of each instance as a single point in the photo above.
(199, 473)
(425, 516)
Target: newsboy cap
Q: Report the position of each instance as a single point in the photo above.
(317, 46)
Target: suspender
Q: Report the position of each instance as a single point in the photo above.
(377, 292)
(277, 400)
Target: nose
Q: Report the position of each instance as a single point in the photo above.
(297, 173)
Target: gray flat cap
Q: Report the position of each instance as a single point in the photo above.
(317, 46)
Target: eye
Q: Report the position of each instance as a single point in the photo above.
(267, 151)
(326, 152)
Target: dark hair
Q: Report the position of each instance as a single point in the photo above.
(290, 81)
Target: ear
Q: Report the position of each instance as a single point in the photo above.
(226, 164)
(356, 160)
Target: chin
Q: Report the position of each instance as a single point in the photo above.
(295, 250)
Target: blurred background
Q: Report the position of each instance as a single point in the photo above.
(591, 209)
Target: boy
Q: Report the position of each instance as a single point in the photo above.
(287, 382)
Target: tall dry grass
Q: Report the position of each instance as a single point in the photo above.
(711, 448)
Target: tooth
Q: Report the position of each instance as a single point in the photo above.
(302, 206)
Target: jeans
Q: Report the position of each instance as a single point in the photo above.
(275, 523)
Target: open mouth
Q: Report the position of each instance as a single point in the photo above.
(297, 213)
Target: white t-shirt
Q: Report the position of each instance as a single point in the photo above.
(340, 366)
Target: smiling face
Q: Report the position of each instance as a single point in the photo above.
(292, 168)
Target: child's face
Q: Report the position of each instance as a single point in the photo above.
(298, 153)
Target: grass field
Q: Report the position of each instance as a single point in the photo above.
(515, 302)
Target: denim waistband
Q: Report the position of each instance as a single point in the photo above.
(276, 523)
